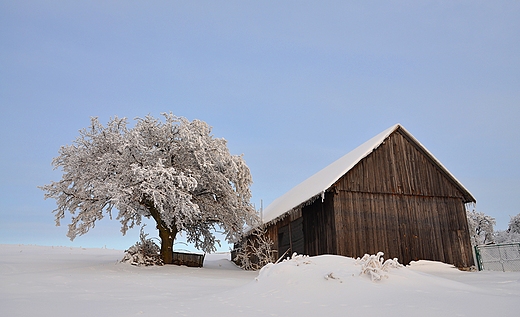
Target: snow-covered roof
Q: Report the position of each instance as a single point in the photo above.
(318, 183)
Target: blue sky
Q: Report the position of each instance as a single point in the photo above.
(293, 85)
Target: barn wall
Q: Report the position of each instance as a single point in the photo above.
(291, 238)
(318, 226)
(405, 227)
(397, 201)
(273, 230)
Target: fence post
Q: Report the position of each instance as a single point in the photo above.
(477, 255)
(501, 258)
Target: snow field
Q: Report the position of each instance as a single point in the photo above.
(62, 281)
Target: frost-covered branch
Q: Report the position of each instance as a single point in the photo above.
(144, 252)
(255, 252)
(480, 227)
(512, 234)
(375, 266)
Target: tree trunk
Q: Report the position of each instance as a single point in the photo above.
(166, 234)
(167, 238)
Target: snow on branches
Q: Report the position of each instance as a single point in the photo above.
(512, 234)
(514, 224)
(174, 171)
(255, 252)
(144, 252)
(480, 227)
(374, 266)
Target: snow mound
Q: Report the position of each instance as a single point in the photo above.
(432, 267)
(332, 285)
(301, 268)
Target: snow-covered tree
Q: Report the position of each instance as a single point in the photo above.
(514, 224)
(506, 236)
(512, 234)
(173, 171)
(480, 227)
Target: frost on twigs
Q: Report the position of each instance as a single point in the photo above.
(299, 259)
(144, 252)
(375, 266)
(480, 227)
(255, 252)
(512, 234)
(331, 276)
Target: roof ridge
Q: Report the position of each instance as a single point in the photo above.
(322, 180)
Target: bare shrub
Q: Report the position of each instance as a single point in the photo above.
(144, 252)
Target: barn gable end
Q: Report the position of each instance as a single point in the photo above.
(399, 201)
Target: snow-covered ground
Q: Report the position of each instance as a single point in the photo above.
(62, 281)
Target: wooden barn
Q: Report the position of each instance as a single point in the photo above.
(390, 194)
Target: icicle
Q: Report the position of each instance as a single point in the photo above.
(470, 206)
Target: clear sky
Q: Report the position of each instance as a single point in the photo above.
(293, 85)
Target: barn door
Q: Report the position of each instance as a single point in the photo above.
(290, 238)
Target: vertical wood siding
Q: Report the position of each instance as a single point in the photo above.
(318, 226)
(396, 200)
(291, 238)
(273, 230)
(398, 167)
(405, 227)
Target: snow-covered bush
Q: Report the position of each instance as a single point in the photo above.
(144, 252)
(256, 252)
(480, 227)
(375, 266)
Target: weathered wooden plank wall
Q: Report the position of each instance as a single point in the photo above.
(318, 226)
(188, 259)
(398, 201)
(397, 167)
(409, 228)
(272, 230)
